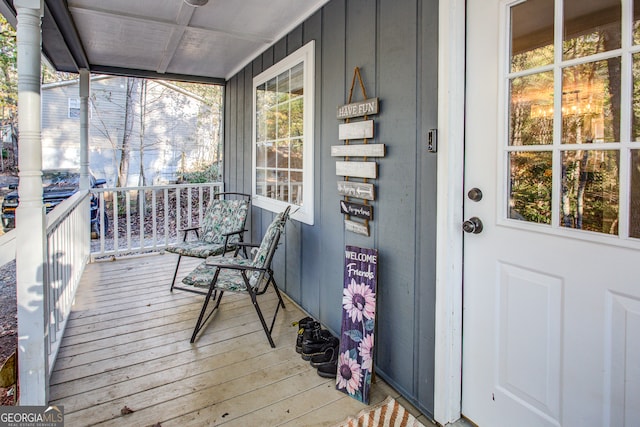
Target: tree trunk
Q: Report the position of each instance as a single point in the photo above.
(142, 178)
(123, 169)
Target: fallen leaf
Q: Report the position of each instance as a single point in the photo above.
(226, 414)
(126, 410)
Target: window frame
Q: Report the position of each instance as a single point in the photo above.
(306, 56)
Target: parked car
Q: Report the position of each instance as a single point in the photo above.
(57, 185)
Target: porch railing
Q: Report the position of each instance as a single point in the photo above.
(67, 254)
(135, 220)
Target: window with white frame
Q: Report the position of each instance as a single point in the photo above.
(73, 112)
(283, 99)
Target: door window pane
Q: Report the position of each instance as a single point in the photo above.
(591, 27)
(590, 188)
(636, 21)
(634, 203)
(531, 110)
(531, 39)
(591, 102)
(635, 106)
(530, 186)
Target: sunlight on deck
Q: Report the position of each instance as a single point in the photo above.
(127, 346)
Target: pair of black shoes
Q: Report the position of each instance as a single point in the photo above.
(318, 346)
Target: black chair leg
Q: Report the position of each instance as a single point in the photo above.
(210, 295)
(175, 273)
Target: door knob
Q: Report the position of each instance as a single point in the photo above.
(472, 225)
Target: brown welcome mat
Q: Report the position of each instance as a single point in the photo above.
(386, 414)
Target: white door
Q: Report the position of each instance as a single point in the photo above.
(551, 315)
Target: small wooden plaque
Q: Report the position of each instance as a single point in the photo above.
(358, 109)
(357, 169)
(358, 150)
(356, 227)
(356, 209)
(361, 190)
(356, 130)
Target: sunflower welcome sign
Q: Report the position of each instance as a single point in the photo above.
(355, 360)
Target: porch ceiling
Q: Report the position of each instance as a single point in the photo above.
(163, 38)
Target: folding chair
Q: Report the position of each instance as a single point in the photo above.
(222, 227)
(240, 275)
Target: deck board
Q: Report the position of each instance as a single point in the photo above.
(127, 344)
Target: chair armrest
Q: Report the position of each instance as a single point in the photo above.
(231, 233)
(187, 230)
(232, 266)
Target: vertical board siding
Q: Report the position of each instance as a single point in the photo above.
(394, 42)
(396, 204)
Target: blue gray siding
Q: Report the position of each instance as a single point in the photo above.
(394, 42)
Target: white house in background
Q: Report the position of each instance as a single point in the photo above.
(170, 129)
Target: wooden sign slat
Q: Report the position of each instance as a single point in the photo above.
(358, 109)
(356, 209)
(356, 130)
(356, 227)
(358, 150)
(361, 190)
(357, 169)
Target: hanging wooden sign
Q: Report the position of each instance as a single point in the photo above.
(356, 227)
(358, 150)
(361, 190)
(357, 169)
(356, 209)
(356, 130)
(358, 109)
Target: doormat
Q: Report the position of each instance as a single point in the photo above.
(355, 360)
(386, 414)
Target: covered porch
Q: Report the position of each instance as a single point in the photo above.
(126, 345)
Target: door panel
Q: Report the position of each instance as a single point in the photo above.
(551, 310)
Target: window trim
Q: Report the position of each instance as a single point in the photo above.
(306, 56)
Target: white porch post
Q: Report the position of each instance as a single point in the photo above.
(30, 215)
(451, 92)
(85, 88)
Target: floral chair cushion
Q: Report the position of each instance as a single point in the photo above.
(223, 216)
(230, 279)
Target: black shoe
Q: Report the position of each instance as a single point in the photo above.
(330, 355)
(305, 325)
(329, 370)
(321, 342)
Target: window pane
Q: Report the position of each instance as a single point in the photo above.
(297, 80)
(261, 182)
(636, 21)
(531, 110)
(261, 154)
(590, 186)
(283, 87)
(283, 120)
(530, 186)
(296, 154)
(591, 102)
(283, 155)
(260, 116)
(271, 183)
(634, 204)
(283, 186)
(635, 106)
(591, 27)
(297, 118)
(531, 39)
(296, 188)
(270, 148)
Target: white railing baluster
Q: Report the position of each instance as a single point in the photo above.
(128, 210)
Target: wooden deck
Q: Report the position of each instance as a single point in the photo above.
(127, 345)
